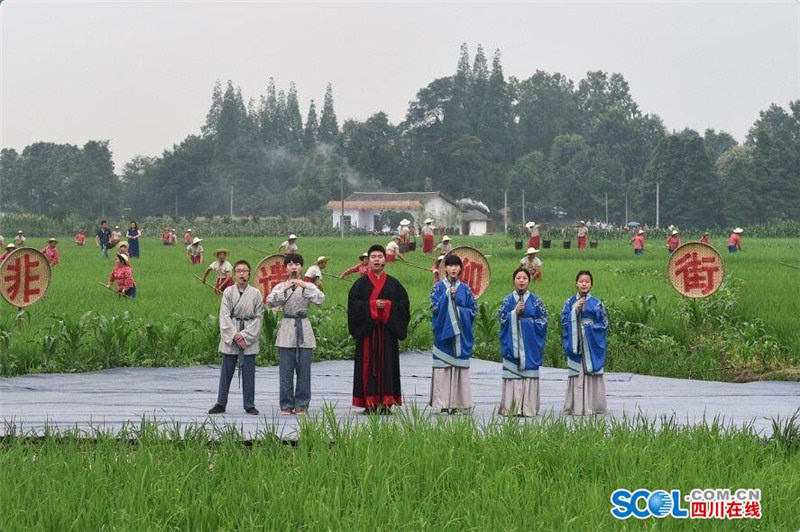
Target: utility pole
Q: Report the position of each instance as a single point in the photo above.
(505, 210)
(606, 208)
(231, 201)
(176, 205)
(341, 195)
(626, 210)
(657, 202)
(523, 206)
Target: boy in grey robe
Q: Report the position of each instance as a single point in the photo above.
(295, 336)
(241, 314)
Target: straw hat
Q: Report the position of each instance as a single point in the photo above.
(396, 237)
(640, 232)
(52, 240)
(706, 233)
(116, 227)
(221, 250)
(530, 224)
(582, 222)
(293, 237)
(10, 246)
(738, 230)
(364, 255)
(445, 238)
(19, 232)
(532, 250)
(124, 257)
(188, 230)
(405, 222)
(674, 232)
(440, 257)
(122, 244)
(196, 240)
(428, 221)
(321, 258)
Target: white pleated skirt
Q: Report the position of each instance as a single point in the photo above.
(451, 388)
(519, 397)
(586, 395)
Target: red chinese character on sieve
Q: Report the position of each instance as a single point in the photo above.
(734, 510)
(269, 279)
(698, 274)
(752, 509)
(21, 276)
(472, 274)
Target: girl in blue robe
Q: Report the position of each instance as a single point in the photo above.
(583, 332)
(523, 333)
(454, 309)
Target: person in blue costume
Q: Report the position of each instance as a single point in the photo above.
(133, 239)
(454, 309)
(523, 333)
(584, 324)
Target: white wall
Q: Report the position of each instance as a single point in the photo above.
(477, 228)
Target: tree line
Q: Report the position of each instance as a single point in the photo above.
(575, 149)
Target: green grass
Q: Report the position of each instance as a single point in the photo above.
(411, 473)
(747, 331)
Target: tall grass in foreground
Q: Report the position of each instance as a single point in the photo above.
(412, 472)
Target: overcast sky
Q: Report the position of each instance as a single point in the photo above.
(140, 74)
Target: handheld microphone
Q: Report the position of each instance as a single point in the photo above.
(293, 275)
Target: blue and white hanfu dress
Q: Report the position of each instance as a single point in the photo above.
(453, 340)
(584, 338)
(522, 339)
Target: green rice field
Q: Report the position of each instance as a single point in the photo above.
(748, 330)
(413, 473)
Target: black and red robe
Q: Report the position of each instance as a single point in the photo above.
(377, 333)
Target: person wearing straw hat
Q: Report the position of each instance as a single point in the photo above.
(445, 246)
(241, 315)
(533, 241)
(166, 237)
(314, 272)
(8, 249)
(222, 268)
(80, 238)
(50, 251)
(523, 333)
(122, 247)
(393, 250)
(706, 238)
(122, 274)
(116, 236)
(2, 241)
(361, 268)
(638, 242)
(195, 251)
(584, 324)
(436, 269)
(735, 240)
(19, 240)
(427, 236)
(673, 241)
(532, 263)
(405, 234)
(583, 233)
(289, 245)
(187, 237)
(378, 312)
(295, 340)
(453, 308)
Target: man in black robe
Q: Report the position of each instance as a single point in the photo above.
(377, 316)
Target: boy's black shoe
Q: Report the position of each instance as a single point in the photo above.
(253, 411)
(217, 409)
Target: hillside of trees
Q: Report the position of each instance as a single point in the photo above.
(476, 133)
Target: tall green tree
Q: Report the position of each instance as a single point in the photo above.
(328, 125)
(740, 189)
(293, 120)
(312, 127)
(718, 143)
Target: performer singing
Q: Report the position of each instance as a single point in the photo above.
(427, 236)
(241, 314)
(523, 333)
(584, 323)
(377, 318)
(295, 341)
(454, 308)
(51, 251)
(222, 268)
